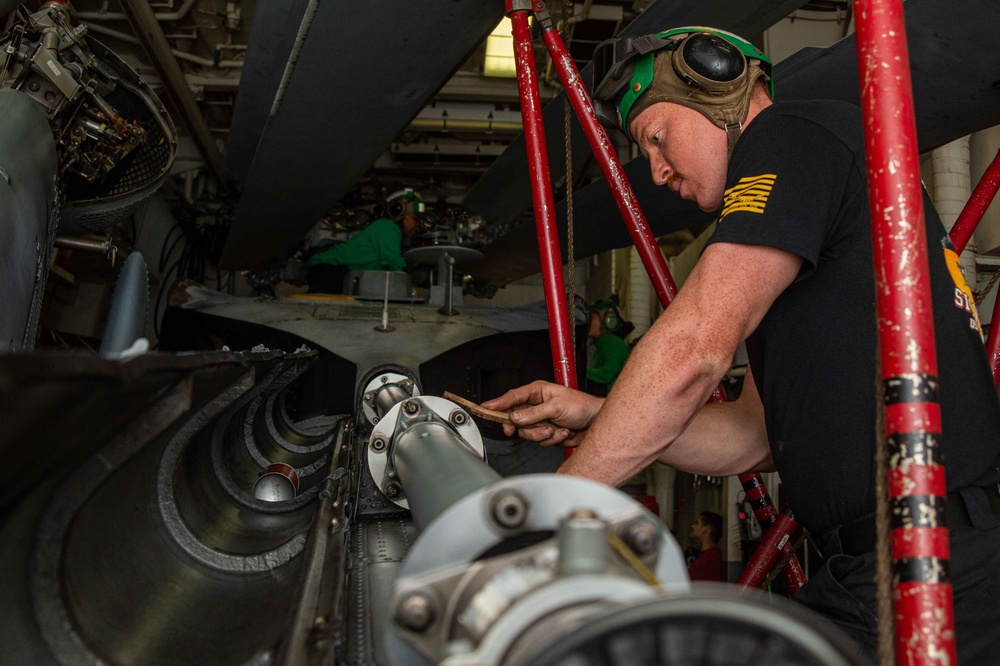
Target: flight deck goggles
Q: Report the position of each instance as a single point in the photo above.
(711, 64)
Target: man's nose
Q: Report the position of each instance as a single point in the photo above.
(658, 169)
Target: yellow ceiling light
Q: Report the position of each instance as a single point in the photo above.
(500, 51)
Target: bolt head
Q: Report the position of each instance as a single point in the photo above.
(458, 417)
(642, 536)
(393, 490)
(378, 445)
(416, 612)
(510, 510)
(411, 407)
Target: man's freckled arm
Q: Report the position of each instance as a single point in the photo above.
(680, 360)
(724, 438)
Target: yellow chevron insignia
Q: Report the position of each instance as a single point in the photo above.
(750, 194)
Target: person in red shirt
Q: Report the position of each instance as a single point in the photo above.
(706, 532)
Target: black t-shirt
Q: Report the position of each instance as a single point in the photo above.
(796, 182)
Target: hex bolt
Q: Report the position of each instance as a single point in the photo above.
(410, 407)
(374, 420)
(384, 378)
(510, 510)
(458, 417)
(642, 536)
(415, 612)
(393, 489)
(378, 445)
(368, 397)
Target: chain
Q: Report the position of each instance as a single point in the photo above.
(567, 12)
(883, 527)
(980, 296)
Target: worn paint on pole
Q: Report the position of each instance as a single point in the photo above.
(993, 348)
(774, 530)
(777, 543)
(922, 593)
(962, 231)
(541, 194)
(607, 159)
(975, 207)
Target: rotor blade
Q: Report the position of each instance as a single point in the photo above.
(356, 81)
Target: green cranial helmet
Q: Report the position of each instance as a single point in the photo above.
(399, 203)
(706, 69)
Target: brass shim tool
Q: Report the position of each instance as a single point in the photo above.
(492, 415)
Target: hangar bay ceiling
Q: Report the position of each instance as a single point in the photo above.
(300, 108)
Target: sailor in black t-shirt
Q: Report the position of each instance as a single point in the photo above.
(789, 270)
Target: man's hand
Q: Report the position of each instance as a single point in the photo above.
(540, 401)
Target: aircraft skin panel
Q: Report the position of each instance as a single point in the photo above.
(943, 37)
(347, 329)
(28, 209)
(504, 192)
(378, 549)
(357, 65)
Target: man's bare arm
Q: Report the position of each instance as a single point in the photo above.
(681, 359)
(724, 438)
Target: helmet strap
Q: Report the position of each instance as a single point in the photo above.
(733, 131)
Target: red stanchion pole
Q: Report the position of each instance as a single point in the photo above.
(993, 346)
(777, 542)
(607, 159)
(962, 231)
(541, 194)
(774, 530)
(976, 206)
(631, 211)
(920, 547)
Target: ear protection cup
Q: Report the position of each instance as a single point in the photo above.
(612, 320)
(396, 210)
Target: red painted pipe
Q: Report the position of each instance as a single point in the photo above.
(922, 590)
(962, 231)
(541, 194)
(767, 517)
(607, 159)
(993, 346)
(976, 206)
(775, 544)
(642, 237)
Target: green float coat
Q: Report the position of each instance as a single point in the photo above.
(374, 248)
(609, 359)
